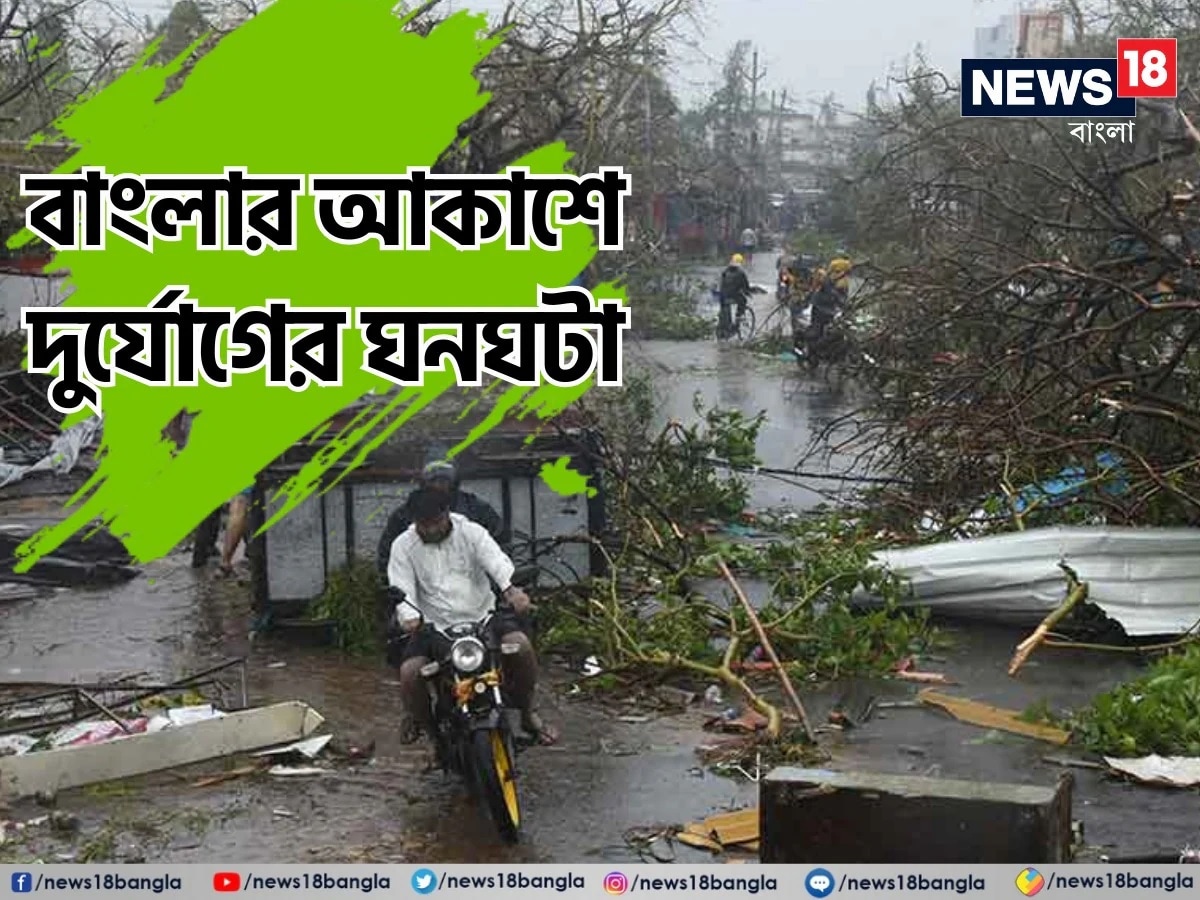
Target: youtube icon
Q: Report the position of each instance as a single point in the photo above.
(227, 881)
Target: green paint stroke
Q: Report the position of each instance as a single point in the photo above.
(562, 479)
(279, 97)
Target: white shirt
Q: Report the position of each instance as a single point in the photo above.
(448, 582)
(749, 238)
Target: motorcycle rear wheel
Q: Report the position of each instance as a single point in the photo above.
(492, 759)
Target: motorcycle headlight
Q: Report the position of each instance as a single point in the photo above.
(467, 654)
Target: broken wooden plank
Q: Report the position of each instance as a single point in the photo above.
(51, 771)
(986, 716)
(700, 841)
(734, 828)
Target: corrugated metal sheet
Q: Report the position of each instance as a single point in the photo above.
(1147, 579)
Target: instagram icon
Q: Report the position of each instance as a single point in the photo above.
(615, 883)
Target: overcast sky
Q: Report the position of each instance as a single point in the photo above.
(808, 47)
(814, 47)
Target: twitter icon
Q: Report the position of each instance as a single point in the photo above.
(424, 881)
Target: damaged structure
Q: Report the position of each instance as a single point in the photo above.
(292, 561)
(1145, 579)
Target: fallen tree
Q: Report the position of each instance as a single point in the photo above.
(672, 601)
(1035, 302)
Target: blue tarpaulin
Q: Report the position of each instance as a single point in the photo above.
(1070, 481)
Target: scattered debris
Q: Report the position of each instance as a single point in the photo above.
(591, 667)
(788, 689)
(16, 744)
(1070, 762)
(129, 755)
(97, 559)
(975, 713)
(749, 722)
(754, 776)
(309, 748)
(904, 671)
(61, 457)
(1167, 771)
(722, 832)
(674, 696)
(852, 709)
(297, 771)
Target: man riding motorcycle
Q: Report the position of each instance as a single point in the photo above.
(442, 568)
(441, 475)
(825, 302)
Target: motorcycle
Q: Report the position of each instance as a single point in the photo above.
(473, 738)
(814, 346)
(801, 324)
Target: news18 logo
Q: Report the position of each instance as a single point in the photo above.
(1071, 88)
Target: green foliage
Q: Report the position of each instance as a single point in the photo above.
(814, 568)
(673, 471)
(666, 305)
(351, 603)
(663, 492)
(1157, 713)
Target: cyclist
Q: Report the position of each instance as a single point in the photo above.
(734, 291)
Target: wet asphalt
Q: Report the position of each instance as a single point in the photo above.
(619, 772)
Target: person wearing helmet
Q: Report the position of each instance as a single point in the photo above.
(734, 291)
(839, 270)
(827, 300)
(441, 475)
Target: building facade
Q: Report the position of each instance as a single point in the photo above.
(1028, 34)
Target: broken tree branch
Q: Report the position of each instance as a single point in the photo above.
(788, 688)
(1077, 592)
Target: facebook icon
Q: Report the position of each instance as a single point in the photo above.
(22, 882)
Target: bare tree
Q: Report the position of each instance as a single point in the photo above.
(1037, 300)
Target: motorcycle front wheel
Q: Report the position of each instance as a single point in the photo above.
(492, 760)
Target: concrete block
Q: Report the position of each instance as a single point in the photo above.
(818, 816)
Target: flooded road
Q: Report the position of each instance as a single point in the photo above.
(172, 621)
(611, 772)
(798, 406)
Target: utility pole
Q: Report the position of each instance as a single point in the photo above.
(756, 75)
(648, 138)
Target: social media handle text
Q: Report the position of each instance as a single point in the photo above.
(516, 881)
(30, 882)
(757, 884)
(1120, 881)
(228, 882)
(964, 884)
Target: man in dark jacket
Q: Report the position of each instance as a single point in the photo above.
(442, 476)
(735, 291)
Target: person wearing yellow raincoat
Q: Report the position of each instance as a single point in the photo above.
(839, 271)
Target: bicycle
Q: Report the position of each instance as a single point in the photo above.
(743, 325)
